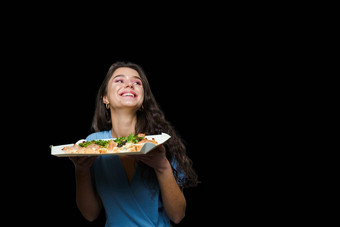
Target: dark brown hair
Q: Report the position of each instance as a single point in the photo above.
(151, 121)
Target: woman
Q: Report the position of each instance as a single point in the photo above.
(135, 190)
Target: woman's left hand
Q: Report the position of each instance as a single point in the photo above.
(155, 159)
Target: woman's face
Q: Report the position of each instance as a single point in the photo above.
(125, 89)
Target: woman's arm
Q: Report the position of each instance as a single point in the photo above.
(87, 199)
(173, 198)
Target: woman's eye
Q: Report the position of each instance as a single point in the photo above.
(137, 83)
(118, 81)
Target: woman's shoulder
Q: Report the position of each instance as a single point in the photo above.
(99, 135)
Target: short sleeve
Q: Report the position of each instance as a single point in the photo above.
(91, 137)
(99, 135)
(94, 136)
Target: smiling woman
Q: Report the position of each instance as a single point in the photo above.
(125, 90)
(133, 190)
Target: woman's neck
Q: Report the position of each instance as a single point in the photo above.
(123, 123)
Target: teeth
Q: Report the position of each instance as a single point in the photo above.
(128, 94)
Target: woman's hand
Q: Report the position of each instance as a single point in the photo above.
(83, 163)
(155, 159)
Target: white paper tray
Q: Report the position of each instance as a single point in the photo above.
(57, 150)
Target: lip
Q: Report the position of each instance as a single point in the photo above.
(128, 91)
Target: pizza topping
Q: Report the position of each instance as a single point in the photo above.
(130, 139)
(119, 141)
(102, 143)
(130, 143)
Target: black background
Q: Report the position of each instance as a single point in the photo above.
(221, 74)
(199, 75)
(59, 107)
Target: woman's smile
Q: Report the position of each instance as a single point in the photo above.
(128, 94)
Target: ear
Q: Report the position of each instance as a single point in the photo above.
(105, 100)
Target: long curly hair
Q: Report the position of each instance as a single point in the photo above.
(151, 121)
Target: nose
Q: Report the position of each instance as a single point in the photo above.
(130, 84)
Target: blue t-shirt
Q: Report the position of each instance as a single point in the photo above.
(126, 204)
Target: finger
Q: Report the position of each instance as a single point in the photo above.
(161, 148)
(143, 158)
(89, 160)
(132, 155)
(83, 161)
(80, 160)
(73, 158)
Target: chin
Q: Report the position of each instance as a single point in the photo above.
(132, 107)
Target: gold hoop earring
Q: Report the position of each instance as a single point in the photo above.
(107, 106)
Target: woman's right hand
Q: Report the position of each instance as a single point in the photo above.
(83, 163)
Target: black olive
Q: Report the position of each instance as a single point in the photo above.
(122, 143)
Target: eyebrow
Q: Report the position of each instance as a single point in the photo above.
(122, 75)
